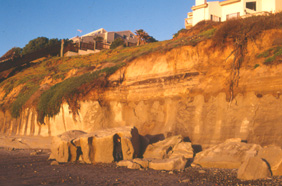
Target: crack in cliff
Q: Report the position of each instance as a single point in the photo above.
(177, 77)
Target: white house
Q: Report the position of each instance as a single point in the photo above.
(229, 9)
(108, 37)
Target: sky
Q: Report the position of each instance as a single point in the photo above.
(24, 20)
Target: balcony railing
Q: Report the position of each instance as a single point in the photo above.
(188, 23)
(263, 13)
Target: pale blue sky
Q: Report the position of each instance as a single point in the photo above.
(24, 20)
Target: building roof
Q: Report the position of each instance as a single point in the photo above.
(199, 6)
(227, 2)
(99, 31)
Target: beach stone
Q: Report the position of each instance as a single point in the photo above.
(185, 181)
(202, 171)
(33, 153)
(54, 163)
(129, 164)
(177, 163)
(230, 154)
(144, 163)
(161, 149)
(253, 168)
(273, 156)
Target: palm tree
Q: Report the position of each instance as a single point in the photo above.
(143, 37)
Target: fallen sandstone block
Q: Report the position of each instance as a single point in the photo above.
(176, 163)
(273, 156)
(230, 154)
(253, 168)
(95, 147)
(171, 147)
(62, 147)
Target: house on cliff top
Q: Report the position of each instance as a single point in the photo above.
(107, 37)
(98, 40)
(229, 9)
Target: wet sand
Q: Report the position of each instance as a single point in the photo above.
(26, 167)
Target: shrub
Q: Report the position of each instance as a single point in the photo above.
(241, 30)
(117, 42)
(39, 43)
(183, 30)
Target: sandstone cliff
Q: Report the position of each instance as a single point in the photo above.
(185, 90)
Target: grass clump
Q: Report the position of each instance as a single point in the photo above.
(22, 98)
(256, 66)
(273, 58)
(264, 54)
(271, 55)
(208, 33)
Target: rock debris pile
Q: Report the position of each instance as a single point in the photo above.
(125, 146)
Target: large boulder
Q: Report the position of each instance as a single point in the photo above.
(253, 168)
(99, 146)
(182, 149)
(173, 146)
(230, 154)
(63, 148)
(169, 154)
(273, 155)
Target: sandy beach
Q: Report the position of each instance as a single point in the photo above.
(32, 167)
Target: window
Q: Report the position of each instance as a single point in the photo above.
(251, 5)
(233, 16)
(215, 18)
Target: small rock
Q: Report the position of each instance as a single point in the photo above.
(195, 165)
(54, 163)
(170, 172)
(129, 164)
(33, 153)
(185, 181)
(11, 149)
(202, 171)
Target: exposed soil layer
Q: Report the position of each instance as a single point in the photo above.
(25, 167)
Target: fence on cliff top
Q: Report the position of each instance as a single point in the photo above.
(11, 62)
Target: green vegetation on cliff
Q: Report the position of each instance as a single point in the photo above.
(50, 101)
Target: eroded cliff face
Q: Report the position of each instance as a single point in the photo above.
(184, 91)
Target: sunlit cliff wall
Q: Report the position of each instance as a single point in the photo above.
(182, 91)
